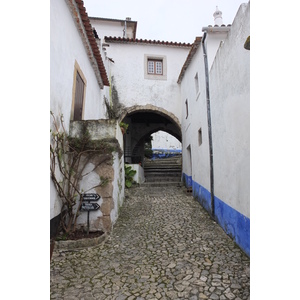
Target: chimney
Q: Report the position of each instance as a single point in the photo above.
(218, 17)
(128, 19)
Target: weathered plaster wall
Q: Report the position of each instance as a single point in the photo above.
(229, 97)
(230, 109)
(111, 28)
(194, 117)
(106, 170)
(66, 47)
(134, 90)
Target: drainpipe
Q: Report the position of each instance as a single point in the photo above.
(212, 199)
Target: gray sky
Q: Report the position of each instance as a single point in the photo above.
(167, 20)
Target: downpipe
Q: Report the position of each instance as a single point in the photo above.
(212, 199)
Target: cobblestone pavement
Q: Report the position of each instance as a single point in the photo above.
(163, 246)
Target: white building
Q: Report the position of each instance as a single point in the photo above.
(158, 86)
(78, 84)
(222, 185)
(145, 78)
(163, 140)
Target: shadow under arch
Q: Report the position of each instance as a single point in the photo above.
(149, 108)
(143, 121)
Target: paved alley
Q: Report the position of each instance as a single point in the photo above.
(163, 246)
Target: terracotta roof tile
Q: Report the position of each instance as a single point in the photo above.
(110, 39)
(92, 40)
(189, 58)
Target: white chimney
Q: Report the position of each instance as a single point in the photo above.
(218, 17)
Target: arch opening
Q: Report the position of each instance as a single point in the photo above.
(143, 121)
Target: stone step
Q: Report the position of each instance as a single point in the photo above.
(171, 170)
(172, 167)
(163, 174)
(161, 183)
(162, 163)
(158, 162)
(166, 179)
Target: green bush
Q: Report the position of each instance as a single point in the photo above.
(129, 173)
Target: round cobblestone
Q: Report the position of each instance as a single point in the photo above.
(163, 246)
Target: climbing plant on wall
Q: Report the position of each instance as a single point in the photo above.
(68, 159)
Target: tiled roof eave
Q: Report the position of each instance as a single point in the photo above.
(110, 39)
(86, 31)
(189, 58)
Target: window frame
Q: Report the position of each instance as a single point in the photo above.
(155, 61)
(77, 70)
(155, 75)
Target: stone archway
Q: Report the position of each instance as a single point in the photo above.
(143, 120)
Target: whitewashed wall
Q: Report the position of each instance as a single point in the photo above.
(66, 47)
(196, 118)
(106, 27)
(164, 140)
(135, 89)
(230, 109)
(229, 80)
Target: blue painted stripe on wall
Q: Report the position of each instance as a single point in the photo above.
(233, 222)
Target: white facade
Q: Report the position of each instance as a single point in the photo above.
(194, 113)
(112, 27)
(164, 140)
(230, 111)
(229, 86)
(137, 89)
(68, 55)
(182, 101)
(66, 50)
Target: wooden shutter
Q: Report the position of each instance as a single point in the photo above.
(79, 92)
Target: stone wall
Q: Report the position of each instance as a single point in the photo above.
(103, 173)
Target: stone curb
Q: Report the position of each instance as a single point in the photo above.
(79, 244)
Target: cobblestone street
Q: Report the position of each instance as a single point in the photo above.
(163, 246)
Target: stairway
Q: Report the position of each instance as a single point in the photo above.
(163, 171)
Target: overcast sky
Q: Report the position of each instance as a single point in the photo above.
(167, 20)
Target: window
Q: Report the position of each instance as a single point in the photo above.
(187, 108)
(79, 93)
(200, 136)
(79, 83)
(155, 67)
(197, 83)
